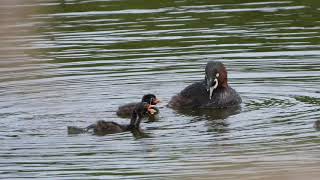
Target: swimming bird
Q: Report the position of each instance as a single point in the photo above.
(211, 92)
(109, 127)
(126, 110)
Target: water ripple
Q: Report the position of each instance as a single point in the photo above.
(73, 63)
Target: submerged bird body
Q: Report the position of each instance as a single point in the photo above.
(107, 127)
(212, 92)
(126, 110)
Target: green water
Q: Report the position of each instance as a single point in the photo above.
(74, 62)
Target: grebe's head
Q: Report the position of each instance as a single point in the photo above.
(216, 76)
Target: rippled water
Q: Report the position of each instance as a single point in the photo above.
(74, 62)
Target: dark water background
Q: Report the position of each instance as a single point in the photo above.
(74, 62)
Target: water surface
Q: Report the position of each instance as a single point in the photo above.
(74, 62)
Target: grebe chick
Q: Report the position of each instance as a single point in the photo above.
(109, 127)
(126, 110)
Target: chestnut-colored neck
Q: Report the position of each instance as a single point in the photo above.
(223, 78)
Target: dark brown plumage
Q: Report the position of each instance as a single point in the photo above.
(126, 110)
(212, 92)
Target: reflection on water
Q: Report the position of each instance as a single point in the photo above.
(72, 63)
(210, 114)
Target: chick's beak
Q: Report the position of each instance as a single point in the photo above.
(156, 101)
(151, 110)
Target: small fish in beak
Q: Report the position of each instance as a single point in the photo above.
(212, 85)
